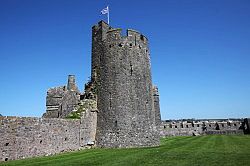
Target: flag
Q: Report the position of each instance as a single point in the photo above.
(105, 10)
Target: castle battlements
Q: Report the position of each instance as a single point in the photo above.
(133, 39)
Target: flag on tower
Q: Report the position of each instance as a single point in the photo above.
(106, 11)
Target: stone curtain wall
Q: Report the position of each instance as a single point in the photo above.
(88, 127)
(22, 137)
(199, 128)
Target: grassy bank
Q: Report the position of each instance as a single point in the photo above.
(201, 150)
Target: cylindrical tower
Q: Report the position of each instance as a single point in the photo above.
(126, 114)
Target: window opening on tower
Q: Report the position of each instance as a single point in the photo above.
(131, 69)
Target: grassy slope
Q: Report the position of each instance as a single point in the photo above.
(202, 150)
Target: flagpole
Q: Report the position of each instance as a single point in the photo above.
(108, 14)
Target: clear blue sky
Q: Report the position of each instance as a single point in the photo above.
(200, 52)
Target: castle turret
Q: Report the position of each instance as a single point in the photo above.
(157, 106)
(71, 83)
(125, 100)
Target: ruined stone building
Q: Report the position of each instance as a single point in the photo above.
(60, 101)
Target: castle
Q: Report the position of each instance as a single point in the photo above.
(121, 86)
(118, 108)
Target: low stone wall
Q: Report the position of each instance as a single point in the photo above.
(223, 132)
(23, 137)
(199, 128)
(180, 132)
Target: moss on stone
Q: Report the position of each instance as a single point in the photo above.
(86, 104)
(73, 115)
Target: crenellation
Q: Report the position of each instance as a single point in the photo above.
(137, 37)
(133, 39)
(175, 128)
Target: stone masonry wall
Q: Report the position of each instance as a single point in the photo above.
(60, 101)
(126, 116)
(23, 137)
(157, 106)
(199, 128)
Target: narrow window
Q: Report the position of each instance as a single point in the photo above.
(131, 69)
(198, 125)
(100, 57)
(187, 126)
(110, 100)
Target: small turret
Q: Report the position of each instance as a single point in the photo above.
(156, 105)
(71, 83)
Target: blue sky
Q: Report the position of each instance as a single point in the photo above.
(200, 52)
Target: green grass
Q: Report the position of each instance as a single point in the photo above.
(201, 150)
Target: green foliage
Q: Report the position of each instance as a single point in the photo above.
(84, 105)
(74, 115)
(210, 150)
